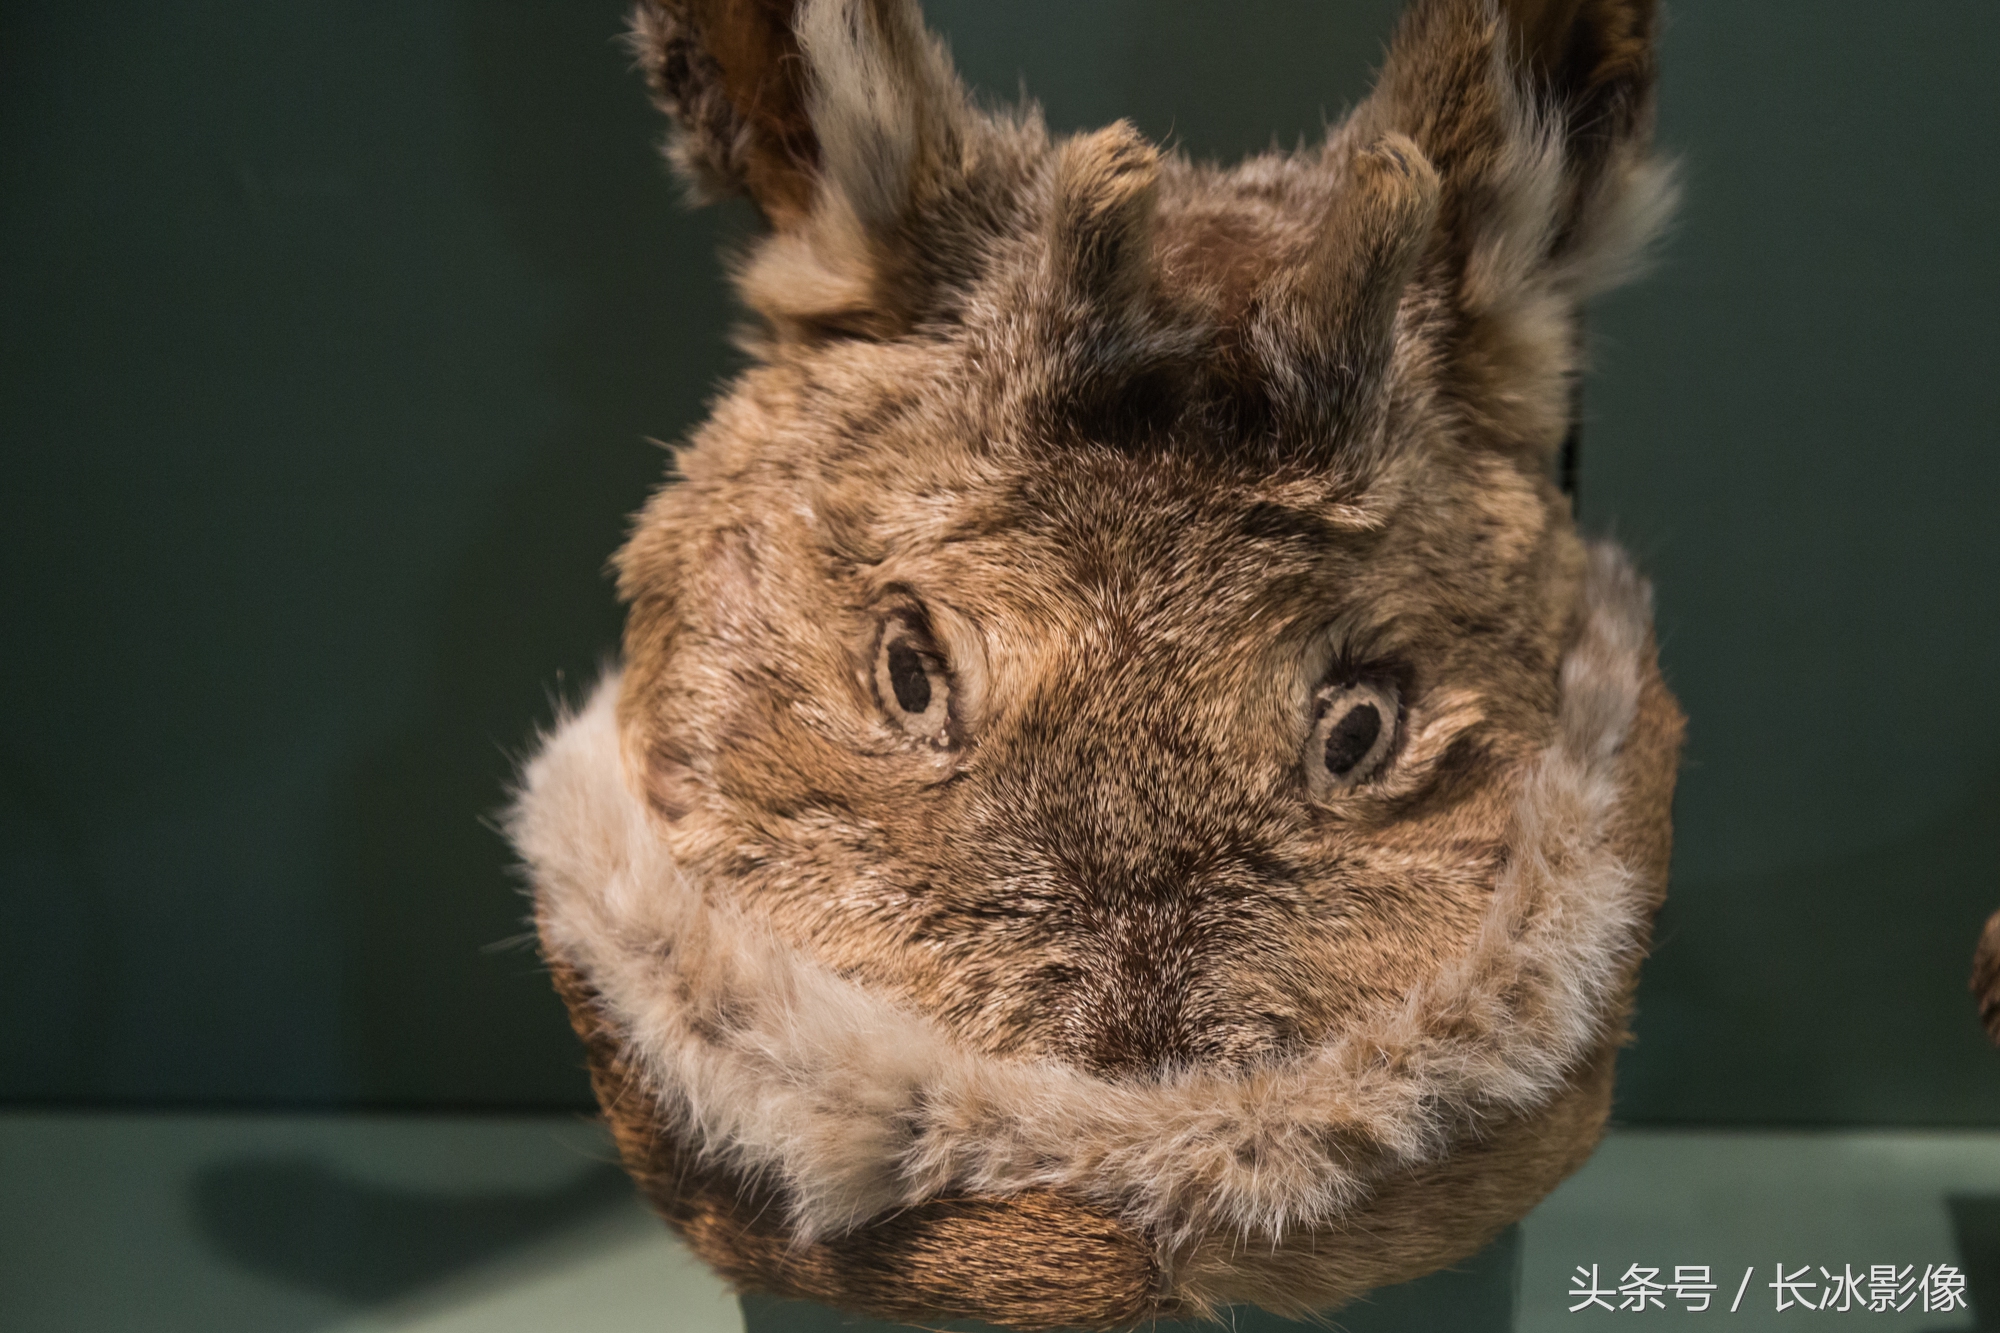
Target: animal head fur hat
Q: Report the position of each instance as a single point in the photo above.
(1126, 792)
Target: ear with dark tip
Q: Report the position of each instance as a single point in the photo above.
(1537, 115)
(1592, 58)
(1326, 329)
(1591, 62)
(1538, 111)
(728, 73)
(836, 118)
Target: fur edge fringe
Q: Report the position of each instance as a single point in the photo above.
(774, 1066)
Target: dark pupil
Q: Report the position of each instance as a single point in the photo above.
(1352, 738)
(908, 677)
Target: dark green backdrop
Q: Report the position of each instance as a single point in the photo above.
(333, 334)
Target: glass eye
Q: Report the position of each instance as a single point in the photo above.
(1354, 733)
(912, 681)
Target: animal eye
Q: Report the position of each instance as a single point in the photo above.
(912, 681)
(1354, 733)
(909, 678)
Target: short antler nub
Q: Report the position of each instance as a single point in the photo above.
(1099, 300)
(1327, 327)
(1373, 237)
(1106, 186)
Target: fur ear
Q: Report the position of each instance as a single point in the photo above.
(1538, 116)
(833, 116)
(728, 73)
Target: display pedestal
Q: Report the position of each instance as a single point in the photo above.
(1477, 1296)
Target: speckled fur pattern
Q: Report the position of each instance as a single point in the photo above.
(1148, 456)
(779, 1069)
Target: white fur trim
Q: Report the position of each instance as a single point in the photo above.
(778, 1068)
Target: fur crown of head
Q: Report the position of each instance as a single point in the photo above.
(1126, 792)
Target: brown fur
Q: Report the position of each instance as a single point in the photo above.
(1986, 977)
(1036, 1259)
(735, 91)
(1446, 1213)
(1147, 452)
(854, 1105)
(1033, 1260)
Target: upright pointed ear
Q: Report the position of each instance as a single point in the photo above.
(835, 117)
(1538, 116)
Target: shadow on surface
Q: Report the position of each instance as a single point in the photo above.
(306, 1224)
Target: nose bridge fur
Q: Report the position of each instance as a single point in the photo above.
(1141, 705)
(1099, 758)
(1147, 836)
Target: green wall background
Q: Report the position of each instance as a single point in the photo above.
(334, 333)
